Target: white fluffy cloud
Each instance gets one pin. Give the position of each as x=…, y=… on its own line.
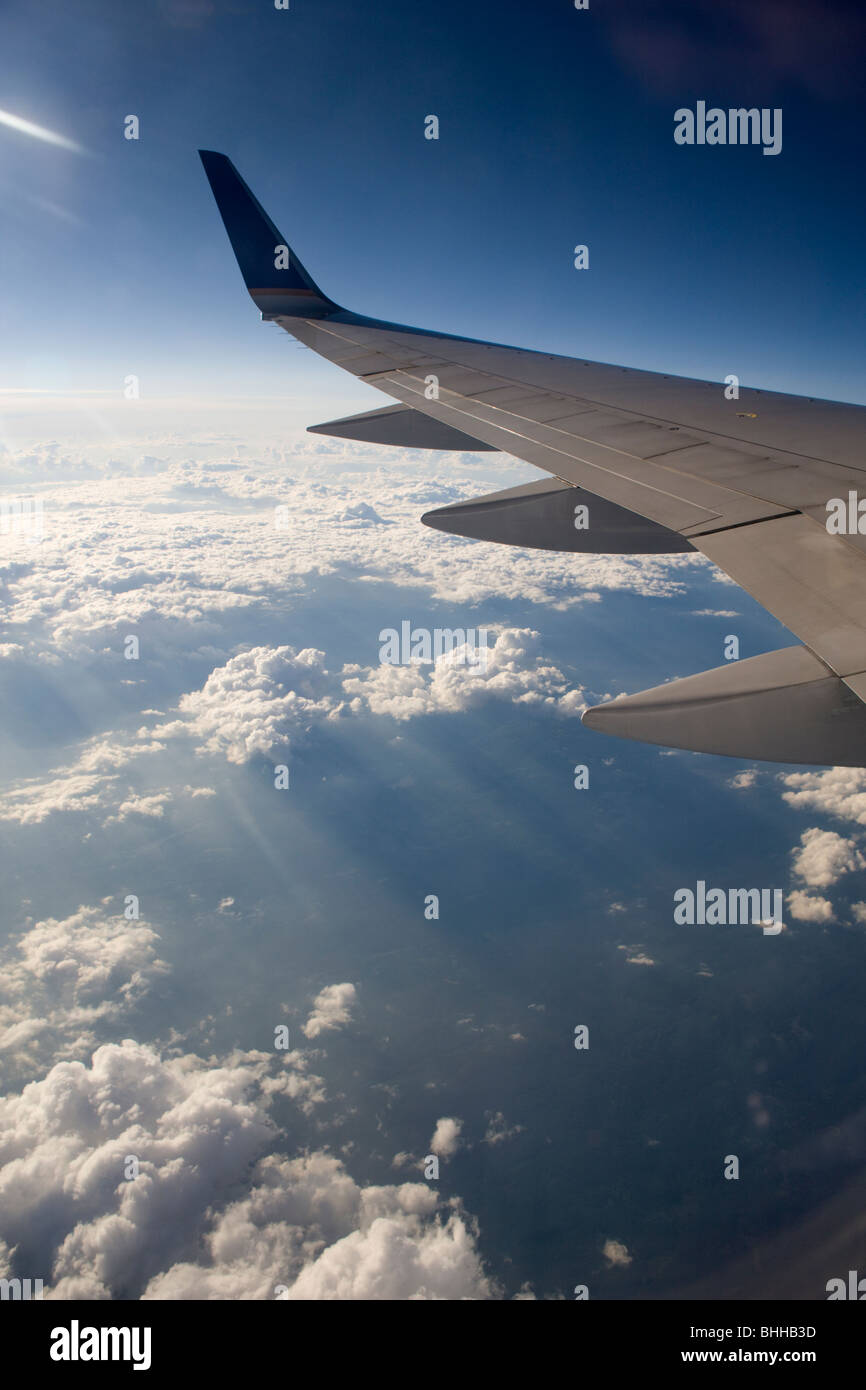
x=62, y=978
x=446, y=1137
x=92, y=782
x=307, y=1231
x=263, y=697
x=332, y=1008
x=807, y=907
x=156, y=1176
x=266, y=697
x=824, y=856
x=256, y=700
x=399, y=1250
x=513, y=670
x=197, y=1130
x=838, y=791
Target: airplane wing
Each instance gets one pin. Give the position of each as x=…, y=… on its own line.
x=638, y=463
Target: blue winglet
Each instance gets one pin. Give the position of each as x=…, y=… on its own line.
x=277, y=282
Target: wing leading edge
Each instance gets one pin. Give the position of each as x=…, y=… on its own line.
x=663, y=463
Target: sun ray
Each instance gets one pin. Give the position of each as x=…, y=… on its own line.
x=38, y=132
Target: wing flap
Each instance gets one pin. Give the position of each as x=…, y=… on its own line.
x=400, y=425
x=542, y=516
x=784, y=706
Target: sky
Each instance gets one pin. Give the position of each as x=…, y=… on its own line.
x=556, y=129
x=169, y=908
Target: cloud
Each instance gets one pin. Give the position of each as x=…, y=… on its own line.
x=179, y=1229
x=264, y=697
x=615, y=1253
x=332, y=1008
x=399, y=1251
x=824, y=856
x=403, y=1159
x=178, y=551
x=805, y=907
x=446, y=1137
x=839, y=791
x=498, y=1131
x=257, y=700
x=514, y=670
x=62, y=978
x=34, y=800
x=90, y=783
x=152, y=806
x=635, y=955
x=742, y=780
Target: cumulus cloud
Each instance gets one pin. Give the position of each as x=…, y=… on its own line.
x=63, y=978
x=446, y=1137
x=807, y=907
x=824, y=856
x=514, y=670
x=264, y=697
x=838, y=791
x=332, y=1008
x=399, y=1250
x=256, y=700
x=303, y=1228
x=615, y=1253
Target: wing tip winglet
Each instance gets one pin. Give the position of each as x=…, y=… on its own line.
x=275, y=278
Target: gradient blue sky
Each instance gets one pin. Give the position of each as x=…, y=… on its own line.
x=556, y=128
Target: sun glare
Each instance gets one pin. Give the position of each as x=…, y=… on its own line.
x=38, y=132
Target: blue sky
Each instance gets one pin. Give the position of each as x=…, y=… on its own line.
x=556, y=128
